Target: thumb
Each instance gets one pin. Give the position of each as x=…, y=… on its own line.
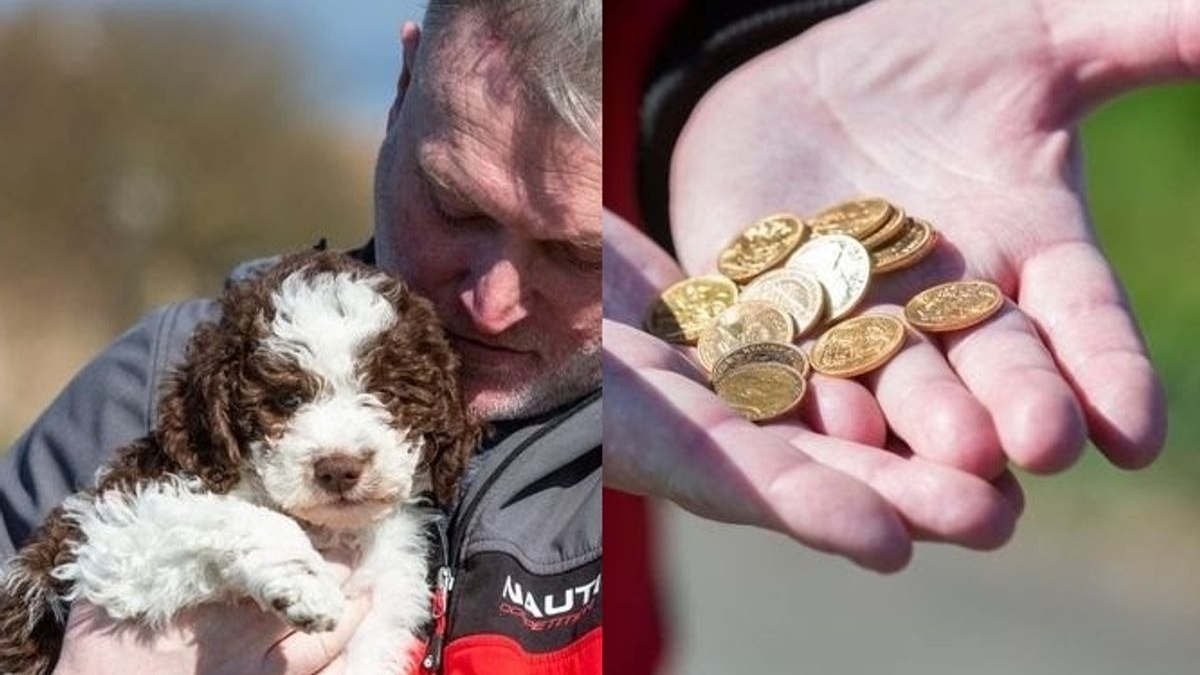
x=636, y=270
x=1108, y=47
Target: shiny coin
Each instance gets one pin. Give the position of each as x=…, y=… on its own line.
x=795, y=291
x=761, y=391
x=858, y=346
x=762, y=246
x=890, y=230
x=763, y=352
x=914, y=243
x=858, y=218
x=683, y=311
x=842, y=266
x=953, y=306
x=744, y=323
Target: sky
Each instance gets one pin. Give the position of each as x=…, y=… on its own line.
x=352, y=46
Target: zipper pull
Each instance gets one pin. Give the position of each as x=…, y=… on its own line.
x=441, y=599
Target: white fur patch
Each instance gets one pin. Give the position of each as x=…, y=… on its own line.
x=393, y=570
x=323, y=321
x=169, y=546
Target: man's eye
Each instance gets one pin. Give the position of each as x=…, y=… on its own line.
x=445, y=213
x=451, y=212
x=583, y=260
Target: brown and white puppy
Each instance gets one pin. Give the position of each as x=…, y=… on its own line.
x=314, y=411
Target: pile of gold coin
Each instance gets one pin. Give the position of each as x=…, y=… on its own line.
x=785, y=277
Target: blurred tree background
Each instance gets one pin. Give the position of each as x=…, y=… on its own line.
x=143, y=153
x=1142, y=159
x=1143, y=168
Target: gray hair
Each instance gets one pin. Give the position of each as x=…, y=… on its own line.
x=556, y=44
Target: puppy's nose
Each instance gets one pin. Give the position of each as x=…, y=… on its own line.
x=338, y=473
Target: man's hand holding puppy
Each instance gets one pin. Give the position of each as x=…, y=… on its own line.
x=250, y=640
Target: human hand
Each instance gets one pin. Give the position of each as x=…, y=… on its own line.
x=213, y=639
x=822, y=479
x=963, y=113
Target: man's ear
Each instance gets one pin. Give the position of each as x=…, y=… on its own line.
x=410, y=38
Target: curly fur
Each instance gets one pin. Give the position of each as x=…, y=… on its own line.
x=317, y=351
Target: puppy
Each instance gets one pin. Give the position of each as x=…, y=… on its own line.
x=312, y=413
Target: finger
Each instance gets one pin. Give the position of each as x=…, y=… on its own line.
x=669, y=436
x=636, y=270
x=1070, y=292
x=308, y=653
x=1005, y=365
x=834, y=406
x=844, y=409
x=1106, y=47
x=938, y=503
x=932, y=411
x=639, y=349
x=1006, y=483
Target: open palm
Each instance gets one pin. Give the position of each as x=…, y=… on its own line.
x=821, y=478
x=963, y=113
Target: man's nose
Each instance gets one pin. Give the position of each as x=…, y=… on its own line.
x=493, y=294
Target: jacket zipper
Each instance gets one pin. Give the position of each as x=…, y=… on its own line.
x=450, y=556
x=441, y=600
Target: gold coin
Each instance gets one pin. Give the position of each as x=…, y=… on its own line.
x=858, y=346
x=795, y=291
x=889, y=231
x=683, y=310
x=763, y=352
x=761, y=391
x=953, y=306
x=914, y=243
x=857, y=218
x=841, y=264
x=744, y=323
x=763, y=245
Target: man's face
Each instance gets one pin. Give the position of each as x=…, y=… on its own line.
x=491, y=209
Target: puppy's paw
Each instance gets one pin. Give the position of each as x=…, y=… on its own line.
x=306, y=599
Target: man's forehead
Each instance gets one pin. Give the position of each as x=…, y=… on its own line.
x=485, y=140
x=551, y=190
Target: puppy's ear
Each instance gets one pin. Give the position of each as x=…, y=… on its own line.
x=446, y=454
x=194, y=418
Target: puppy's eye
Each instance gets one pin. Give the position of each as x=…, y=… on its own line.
x=288, y=401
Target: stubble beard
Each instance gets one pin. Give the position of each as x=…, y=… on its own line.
x=560, y=384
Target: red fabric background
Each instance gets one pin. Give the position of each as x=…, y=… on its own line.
x=632, y=608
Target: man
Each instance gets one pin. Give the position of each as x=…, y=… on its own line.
x=488, y=203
